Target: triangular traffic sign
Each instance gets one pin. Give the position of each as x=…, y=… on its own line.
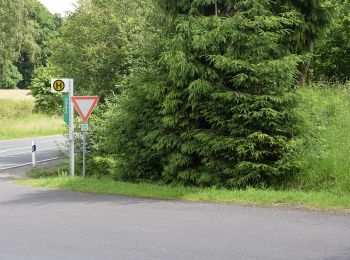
x=85, y=105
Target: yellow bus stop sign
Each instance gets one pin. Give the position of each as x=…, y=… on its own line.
x=58, y=85
x=61, y=85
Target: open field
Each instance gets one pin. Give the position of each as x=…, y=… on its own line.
x=17, y=119
x=34, y=125
x=15, y=94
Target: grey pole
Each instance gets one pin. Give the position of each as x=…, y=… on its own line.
x=84, y=154
x=71, y=128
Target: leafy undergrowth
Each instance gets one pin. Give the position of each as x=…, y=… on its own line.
x=309, y=200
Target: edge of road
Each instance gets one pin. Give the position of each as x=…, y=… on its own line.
x=28, y=164
x=21, y=172
x=30, y=138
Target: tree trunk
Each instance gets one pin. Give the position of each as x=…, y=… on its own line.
x=304, y=68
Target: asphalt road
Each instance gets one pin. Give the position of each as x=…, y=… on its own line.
x=14, y=153
x=50, y=224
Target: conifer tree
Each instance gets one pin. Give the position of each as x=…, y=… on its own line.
x=216, y=108
x=227, y=106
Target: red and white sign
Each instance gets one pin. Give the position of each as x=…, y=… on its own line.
x=85, y=105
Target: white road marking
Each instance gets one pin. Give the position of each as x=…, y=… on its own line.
x=30, y=138
x=7, y=155
x=25, y=164
x=27, y=147
x=6, y=146
x=5, y=151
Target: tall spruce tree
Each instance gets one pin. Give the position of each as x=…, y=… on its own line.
x=227, y=106
x=220, y=108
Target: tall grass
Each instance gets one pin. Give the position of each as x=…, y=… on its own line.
x=325, y=150
x=17, y=119
x=10, y=108
x=30, y=126
x=16, y=94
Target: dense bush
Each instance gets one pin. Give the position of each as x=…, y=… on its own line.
x=10, y=76
x=40, y=88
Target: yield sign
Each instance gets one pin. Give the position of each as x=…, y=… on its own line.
x=85, y=105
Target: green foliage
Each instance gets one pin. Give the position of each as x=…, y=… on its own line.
x=315, y=15
x=99, y=44
x=45, y=101
x=332, y=59
x=123, y=132
x=324, y=152
x=16, y=35
x=216, y=107
x=13, y=24
x=45, y=29
x=101, y=167
x=10, y=76
x=47, y=173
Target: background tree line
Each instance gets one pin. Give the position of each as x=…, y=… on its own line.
x=27, y=28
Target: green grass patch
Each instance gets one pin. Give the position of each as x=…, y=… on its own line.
x=310, y=200
x=17, y=120
x=10, y=108
x=33, y=125
x=325, y=152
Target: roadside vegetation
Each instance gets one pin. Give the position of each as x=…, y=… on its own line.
x=323, y=181
x=325, y=141
x=226, y=97
x=249, y=196
x=18, y=120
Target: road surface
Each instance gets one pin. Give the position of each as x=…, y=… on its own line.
x=40, y=224
x=15, y=153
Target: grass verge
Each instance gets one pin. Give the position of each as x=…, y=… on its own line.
x=309, y=200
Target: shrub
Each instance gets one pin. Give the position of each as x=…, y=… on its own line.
x=9, y=76
x=40, y=88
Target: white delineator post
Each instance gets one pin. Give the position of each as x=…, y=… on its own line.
x=33, y=153
x=71, y=128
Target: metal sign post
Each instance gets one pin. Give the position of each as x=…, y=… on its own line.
x=71, y=128
x=67, y=86
x=84, y=128
x=85, y=106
